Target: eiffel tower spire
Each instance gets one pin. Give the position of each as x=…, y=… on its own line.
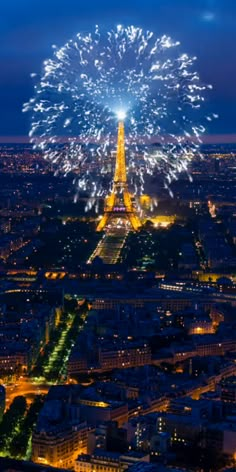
x=119, y=203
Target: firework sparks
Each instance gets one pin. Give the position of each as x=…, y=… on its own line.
x=127, y=73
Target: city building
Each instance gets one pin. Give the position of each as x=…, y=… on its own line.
x=108, y=461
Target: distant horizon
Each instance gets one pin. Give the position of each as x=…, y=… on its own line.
x=207, y=139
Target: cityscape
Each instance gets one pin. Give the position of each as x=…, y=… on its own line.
x=118, y=241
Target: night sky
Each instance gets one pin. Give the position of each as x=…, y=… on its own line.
x=28, y=28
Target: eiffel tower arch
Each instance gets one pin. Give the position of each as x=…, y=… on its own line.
x=118, y=204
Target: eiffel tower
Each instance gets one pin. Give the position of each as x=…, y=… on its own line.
x=118, y=204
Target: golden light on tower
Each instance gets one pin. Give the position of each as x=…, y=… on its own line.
x=119, y=203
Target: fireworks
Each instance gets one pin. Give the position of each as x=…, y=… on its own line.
x=100, y=77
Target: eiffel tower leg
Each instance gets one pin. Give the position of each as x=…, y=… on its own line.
x=102, y=223
x=134, y=221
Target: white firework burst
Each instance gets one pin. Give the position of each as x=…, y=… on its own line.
x=96, y=76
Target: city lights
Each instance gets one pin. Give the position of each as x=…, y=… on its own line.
x=118, y=238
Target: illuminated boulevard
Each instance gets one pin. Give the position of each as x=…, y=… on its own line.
x=110, y=246
x=27, y=387
x=53, y=364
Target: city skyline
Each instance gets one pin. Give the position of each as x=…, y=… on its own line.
x=118, y=236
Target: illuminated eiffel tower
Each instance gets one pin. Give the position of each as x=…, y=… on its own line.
x=118, y=204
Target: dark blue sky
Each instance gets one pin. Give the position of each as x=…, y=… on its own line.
x=28, y=28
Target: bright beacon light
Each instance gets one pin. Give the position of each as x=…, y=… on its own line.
x=121, y=115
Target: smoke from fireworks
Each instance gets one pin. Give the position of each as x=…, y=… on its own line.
x=97, y=76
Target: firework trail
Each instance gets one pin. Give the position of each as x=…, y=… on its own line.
x=126, y=70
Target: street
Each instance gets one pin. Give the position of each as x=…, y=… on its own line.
x=26, y=387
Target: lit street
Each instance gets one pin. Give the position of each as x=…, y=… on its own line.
x=26, y=387
x=110, y=246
